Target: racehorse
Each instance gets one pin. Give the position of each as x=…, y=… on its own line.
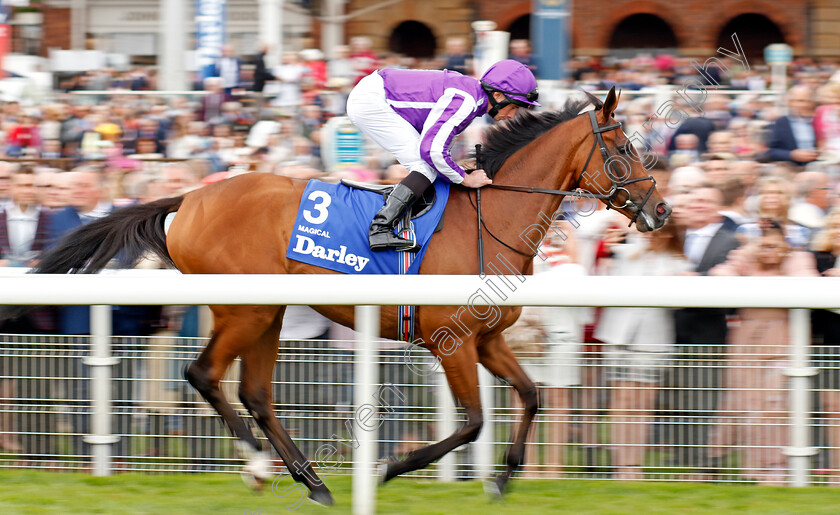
x=243, y=225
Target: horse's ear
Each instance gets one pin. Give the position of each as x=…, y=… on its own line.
x=610, y=104
x=593, y=100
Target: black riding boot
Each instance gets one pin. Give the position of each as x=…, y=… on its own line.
x=381, y=233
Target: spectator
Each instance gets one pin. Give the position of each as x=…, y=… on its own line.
x=88, y=203
x=186, y=145
x=24, y=232
x=288, y=76
x=23, y=135
x=551, y=354
x=51, y=149
x=755, y=408
x=363, y=58
x=261, y=73
x=685, y=180
x=23, y=223
x=733, y=195
x=211, y=103
x=520, y=50
x=718, y=169
x=6, y=170
x=341, y=67
x=773, y=204
x=812, y=200
x=639, y=344
x=456, y=58
x=720, y=142
x=686, y=150
x=313, y=60
x=229, y=69
x=792, y=137
x=692, y=389
x=55, y=189
x=698, y=126
x=826, y=338
x=827, y=121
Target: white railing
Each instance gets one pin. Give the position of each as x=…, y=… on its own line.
x=369, y=292
x=146, y=287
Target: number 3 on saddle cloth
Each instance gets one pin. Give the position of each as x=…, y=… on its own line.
x=331, y=231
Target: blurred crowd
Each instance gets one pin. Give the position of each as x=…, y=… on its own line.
x=754, y=180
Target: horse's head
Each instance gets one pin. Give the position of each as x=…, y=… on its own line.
x=612, y=170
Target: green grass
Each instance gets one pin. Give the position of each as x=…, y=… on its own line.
x=35, y=492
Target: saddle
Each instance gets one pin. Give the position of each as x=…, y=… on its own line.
x=420, y=206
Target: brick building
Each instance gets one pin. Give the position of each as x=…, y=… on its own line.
x=602, y=27
x=420, y=28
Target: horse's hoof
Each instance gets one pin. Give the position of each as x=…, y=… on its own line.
x=382, y=470
x=322, y=497
x=253, y=482
x=495, y=487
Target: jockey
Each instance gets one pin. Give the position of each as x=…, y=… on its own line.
x=416, y=114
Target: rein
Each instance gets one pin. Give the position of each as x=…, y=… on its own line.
x=617, y=186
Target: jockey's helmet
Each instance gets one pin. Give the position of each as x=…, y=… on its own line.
x=512, y=79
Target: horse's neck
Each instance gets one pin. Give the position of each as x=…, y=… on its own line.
x=547, y=163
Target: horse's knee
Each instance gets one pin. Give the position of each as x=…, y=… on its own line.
x=473, y=426
x=530, y=396
x=256, y=401
x=199, y=378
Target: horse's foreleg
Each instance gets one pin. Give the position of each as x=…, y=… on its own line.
x=497, y=357
x=256, y=395
x=462, y=374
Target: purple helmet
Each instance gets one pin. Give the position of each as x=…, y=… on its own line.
x=514, y=80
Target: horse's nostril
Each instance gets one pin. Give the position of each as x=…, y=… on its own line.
x=662, y=210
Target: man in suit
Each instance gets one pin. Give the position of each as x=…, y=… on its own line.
x=699, y=126
x=229, y=69
x=88, y=203
x=23, y=232
x=23, y=222
x=261, y=73
x=692, y=385
x=792, y=137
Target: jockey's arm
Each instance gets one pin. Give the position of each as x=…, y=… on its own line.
x=451, y=114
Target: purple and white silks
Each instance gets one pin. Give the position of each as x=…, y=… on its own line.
x=439, y=105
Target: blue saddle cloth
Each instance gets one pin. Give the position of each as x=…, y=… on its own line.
x=331, y=229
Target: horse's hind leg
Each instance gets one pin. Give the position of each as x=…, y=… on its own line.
x=497, y=357
x=235, y=329
x=255, y=392
x=462, y=374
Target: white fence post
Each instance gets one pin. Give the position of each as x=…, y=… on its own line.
x=445, y=425
x=100, y=362
x=483, y=445
x=366, y=418
x=800, y=450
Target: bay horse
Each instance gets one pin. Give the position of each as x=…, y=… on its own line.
x=243, y=225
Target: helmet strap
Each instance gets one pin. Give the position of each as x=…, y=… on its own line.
x=496, y=106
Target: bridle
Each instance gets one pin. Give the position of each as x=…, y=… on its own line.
x=618, y=185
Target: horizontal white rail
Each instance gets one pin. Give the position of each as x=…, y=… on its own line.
x=144, y=288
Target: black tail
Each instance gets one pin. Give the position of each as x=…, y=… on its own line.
x=129, y=231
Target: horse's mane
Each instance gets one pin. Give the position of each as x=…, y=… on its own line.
x=504, y=139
